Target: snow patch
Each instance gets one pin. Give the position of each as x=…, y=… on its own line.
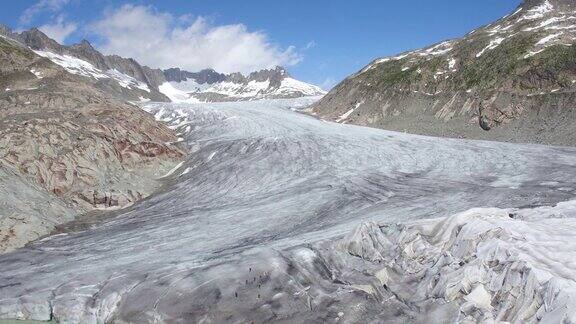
x=561, y=27
x=532, y=53
x=545, y=23
x=452, y=63
x=173, y=170
x=439, y=49
x=127, y=81
x=290, y=85
x=176, y=95
x=548, y=38
x=349, y=112
x=74, y=65
x=538, y=12
x=38, y=74
x=493, y=44
x=83, y=68
x=384, y=60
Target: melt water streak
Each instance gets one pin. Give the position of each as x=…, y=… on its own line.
x=262, y=176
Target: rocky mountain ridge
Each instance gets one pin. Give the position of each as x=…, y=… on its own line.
x=132, y=81
x=209, y=85
x=512, y=80
x=123, y=76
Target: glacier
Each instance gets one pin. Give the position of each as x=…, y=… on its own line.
x=280, y=216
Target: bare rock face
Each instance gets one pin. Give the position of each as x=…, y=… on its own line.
x=512, y=80
x=205, y=76
x=71, y=144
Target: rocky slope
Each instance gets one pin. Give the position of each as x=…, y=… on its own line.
x=67, y=147
x=211, y=86
x=512, y=80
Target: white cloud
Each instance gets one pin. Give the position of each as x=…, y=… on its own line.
x=161, y=40
x=59, y=30
x=311, y=44
x=42, y=5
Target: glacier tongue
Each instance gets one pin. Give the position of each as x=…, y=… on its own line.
x=258, y=225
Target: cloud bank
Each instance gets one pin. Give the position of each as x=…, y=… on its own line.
x=59, y=30
x=162, y=40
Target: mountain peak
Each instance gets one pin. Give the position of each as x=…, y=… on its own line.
x=5, y=29
x=282, y=71
x=37, y=40
x=274, y=75
x=84, y=44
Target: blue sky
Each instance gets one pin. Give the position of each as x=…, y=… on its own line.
x=320, y=41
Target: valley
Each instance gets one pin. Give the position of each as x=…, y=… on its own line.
x=431, y=186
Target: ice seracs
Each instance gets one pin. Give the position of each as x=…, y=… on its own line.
x=495, y=264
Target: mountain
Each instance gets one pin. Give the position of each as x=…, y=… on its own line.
x=209, y=85
x=125, y=78
x=68, y=146
x=512, y=80
x=129, y=80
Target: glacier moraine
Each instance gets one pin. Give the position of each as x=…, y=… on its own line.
x=273, y=218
